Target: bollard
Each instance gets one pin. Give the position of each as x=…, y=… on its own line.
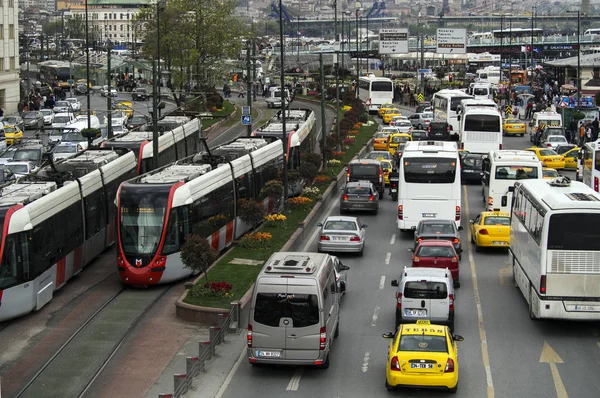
x=191, y=366
x=212, y=335
x=218, y=336
x=234, y=324
x=180, y=383
x=204, y=354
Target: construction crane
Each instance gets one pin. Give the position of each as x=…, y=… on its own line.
x=275, y=12
x=377, y=10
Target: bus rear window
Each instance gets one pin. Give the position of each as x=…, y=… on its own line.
x=381, y=86
x=482, y=123
x=516, y=173
x=429, y=170
x=574, y=231
x=364, y=170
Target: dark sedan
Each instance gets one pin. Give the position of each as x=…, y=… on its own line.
x=137, y=121
x=438, y=229
x=33, y=120
x=471, y=170
x=139, y=94
x=419, y=135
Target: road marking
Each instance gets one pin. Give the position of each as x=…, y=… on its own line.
x=313, y=237
x=375, y=316
x=393, y=239
x=365, y=365
x=388, y=257
x=550, y=357
x=482, y=335
x=295, y=381
x=231, y=373
x=505, y=276
x=382, y=282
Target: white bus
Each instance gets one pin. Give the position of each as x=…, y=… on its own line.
x=429, y=186
x=594, y=31
x=555, y=248
x=375, y=91
x=469, y=103
x=589, y=165
x=481, y=130
x=501, y=169
x=445, y=104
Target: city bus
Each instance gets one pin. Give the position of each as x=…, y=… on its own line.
x=429, y=183
x=445, y=103
x=481, y=130
x=501, y=169
x=375, y=91
x=589, y=165
x=555, y=247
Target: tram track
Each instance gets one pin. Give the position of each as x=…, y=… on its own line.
x=75, y=366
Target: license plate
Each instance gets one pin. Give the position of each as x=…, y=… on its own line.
x=429, y=215
x=394, y=190
x=499, y=243
x=339, y=238
x=421, y=365
x=358, y=205
x=269, y=354
x=409, y=312
x=585, y=308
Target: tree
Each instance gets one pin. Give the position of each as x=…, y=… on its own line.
x=197, y=254
x=196, y=36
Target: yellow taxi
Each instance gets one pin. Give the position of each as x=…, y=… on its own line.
x=513, y=126
x=422, y=355
x=394, y=140
x=491, y=229
x=571, y=157
x=386, y=166
x=389, y=114
x=548, y=157
x=126, y=107
x=385, y=107
x=380, y=140
x=549, y=174
x=12, y=134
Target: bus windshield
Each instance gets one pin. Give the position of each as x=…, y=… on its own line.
x=142, y=215
x=574, y=231
x=429, y=170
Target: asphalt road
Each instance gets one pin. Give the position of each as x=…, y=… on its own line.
x=505, y=353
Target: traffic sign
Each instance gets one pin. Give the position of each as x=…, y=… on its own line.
x=426, y=71
x=70, y=82
x=368, y=102
x=393, y=41
x=508, y=110
x=246, y=120
x=245, y=110
x=451, y=41
x=420, y=97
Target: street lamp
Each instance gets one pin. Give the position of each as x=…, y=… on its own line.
x=578, y=58
x=284, y=138
x=87, y=67
x=533, y=10
x=342, y=43
x=368, y=48
x=357, y=52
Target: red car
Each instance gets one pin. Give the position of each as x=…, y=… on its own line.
x=437, y=254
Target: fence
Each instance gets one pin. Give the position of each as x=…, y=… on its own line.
x=230, y=323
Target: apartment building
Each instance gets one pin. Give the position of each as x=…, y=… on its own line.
x=9, y=55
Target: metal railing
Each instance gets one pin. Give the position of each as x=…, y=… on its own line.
x=194, y=366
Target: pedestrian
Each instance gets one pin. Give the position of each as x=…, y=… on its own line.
x=595, y=125
x=241, y=93
x=581, y=134
x=588, y=132
x=528, y=110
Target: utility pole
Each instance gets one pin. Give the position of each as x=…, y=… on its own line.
x=154, y=118
x=109, y=131
x=337, y=101
x=501, y=44
x=284, y=139
x=323, y=124
x=87, y=67
x=422, y=56
x=533, y=10
x=249, y=87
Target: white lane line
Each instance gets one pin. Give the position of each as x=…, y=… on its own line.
x=231, y=373
x=382, y=282
x=482, y=334
x=365, y=364
x=295, y=380
x=393, y=239
x=375, y=316
x=388, y=257
x=313, y=237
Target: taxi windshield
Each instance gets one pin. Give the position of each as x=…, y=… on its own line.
x=399, y=139
x=423, y=343
x=382, y=135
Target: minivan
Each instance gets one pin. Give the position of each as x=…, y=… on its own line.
x=366, y=170
x=425, y=293
x=440, y=131
x=294, y=310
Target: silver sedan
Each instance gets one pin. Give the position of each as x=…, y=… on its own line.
x=342, y=234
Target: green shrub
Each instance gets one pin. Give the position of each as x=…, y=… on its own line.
x=308, y=171
x=273, y=188
x=197, y=254
x=251, y=211
x=312, y=158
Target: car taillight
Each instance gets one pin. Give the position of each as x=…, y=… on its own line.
x=355, y=239
x=399, y=300
x=400, y=213
x=416, y=259
x=543, y=284
x=249, y=336
x=323, y=338
x=500, y=146
x=348, y=177
x=451, y=302
x=483, y=232
x=372, y=197
x=547, y=160
x=549, y=145
x=324, y=237
x=454, y=259
x=344, y=197
x=457, y=216
x=449, y=128
x=490, y=201
x=394, y=364
x=596, y=184
x=449, y=366
x=419, y=240
x=455, y=240
x=380, y=175
x=462, y=145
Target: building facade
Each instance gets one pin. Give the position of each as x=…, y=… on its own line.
x=9, y=56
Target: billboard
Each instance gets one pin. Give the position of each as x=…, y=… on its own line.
x=393, y=41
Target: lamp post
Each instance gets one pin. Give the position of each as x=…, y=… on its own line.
x=342, y=43
x=368, y=47
x=284, y=137
x=357, y=53
x=87, y=67
x=578, y=58
x=159, y=4
x=533, y=10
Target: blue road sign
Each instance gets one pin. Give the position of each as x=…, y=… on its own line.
x=246, y=120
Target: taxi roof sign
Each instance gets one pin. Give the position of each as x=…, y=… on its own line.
x=423, y=322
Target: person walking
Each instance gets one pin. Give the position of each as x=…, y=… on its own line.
x=241, y=92
x=595, y=125
x=581, y=134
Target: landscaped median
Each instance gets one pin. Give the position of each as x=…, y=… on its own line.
x=232, y=276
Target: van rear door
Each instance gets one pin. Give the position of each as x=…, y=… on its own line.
x=270, y=315
x=303, y=321
x=416, y=300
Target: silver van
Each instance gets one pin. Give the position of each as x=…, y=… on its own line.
x=425, y=293
x=294, y=311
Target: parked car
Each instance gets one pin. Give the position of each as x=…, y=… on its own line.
x=14, y=120
x=33, y=120
x=21, y=168
x=125, y=107
x=75, y=104
x=48, y=116
x=342, y=234
x=81, y=88
x=139, y=94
